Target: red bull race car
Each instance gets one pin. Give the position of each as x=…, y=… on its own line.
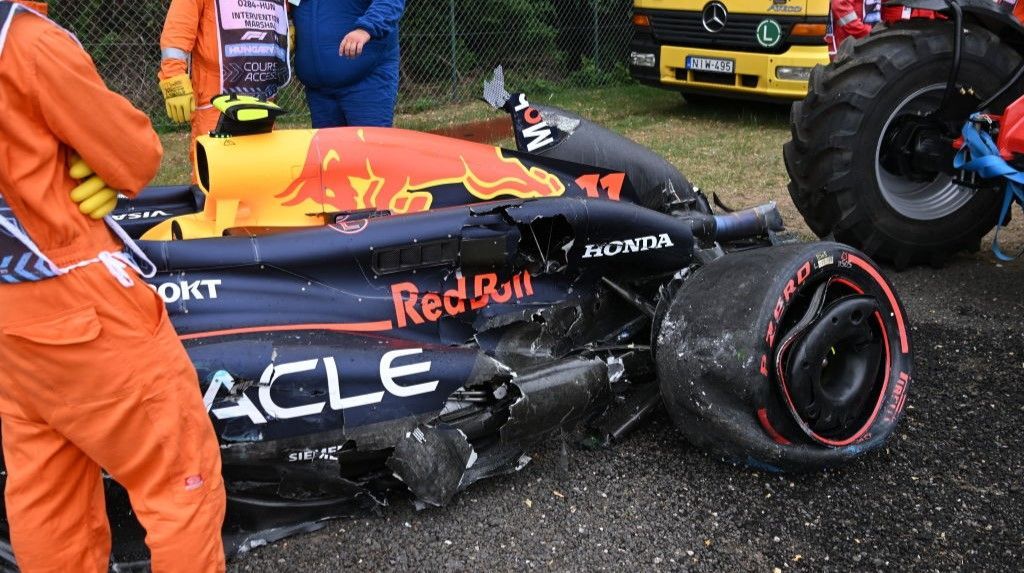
x=379, y=310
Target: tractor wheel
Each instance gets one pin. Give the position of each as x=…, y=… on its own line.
x=848, y=176
x=789, y=358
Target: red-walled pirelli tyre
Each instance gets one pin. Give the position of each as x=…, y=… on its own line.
x=789, y=358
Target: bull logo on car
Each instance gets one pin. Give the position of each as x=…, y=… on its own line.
x=349, y=169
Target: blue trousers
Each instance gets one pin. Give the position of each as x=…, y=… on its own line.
x=369, y=102
x=342, y=91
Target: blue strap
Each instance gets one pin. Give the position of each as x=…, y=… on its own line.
x=981, y=155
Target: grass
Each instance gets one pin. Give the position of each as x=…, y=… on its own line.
x=733, y=149
x=175, y=166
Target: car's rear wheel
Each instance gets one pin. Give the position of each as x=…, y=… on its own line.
x=791, y=358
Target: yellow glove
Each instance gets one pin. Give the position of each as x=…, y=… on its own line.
x=291, y=37
x=178, y=97
x=94, y=198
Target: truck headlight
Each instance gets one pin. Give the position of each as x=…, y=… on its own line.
x=642, y=60
x=793, y=73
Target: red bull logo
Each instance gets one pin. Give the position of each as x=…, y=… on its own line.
x=414, y=307
x=351, y=168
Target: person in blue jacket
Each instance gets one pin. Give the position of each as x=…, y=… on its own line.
x=347, y=58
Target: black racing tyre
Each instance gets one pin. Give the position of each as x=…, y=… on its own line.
x=790, y=358
x=842, y=177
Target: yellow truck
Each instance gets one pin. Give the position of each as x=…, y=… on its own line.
x=757, y=49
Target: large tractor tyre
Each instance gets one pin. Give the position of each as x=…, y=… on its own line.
x=791, y=358
x=844, y=179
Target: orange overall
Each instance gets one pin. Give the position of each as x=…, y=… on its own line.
x=191, y=32
x=191, y=28
x=93, y=375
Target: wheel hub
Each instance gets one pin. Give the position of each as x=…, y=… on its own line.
x=910, y=162
x=833, y=368
x=829, y=364
x=918, y=148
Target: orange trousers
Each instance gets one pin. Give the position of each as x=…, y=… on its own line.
x=93, y=376
x=203, y=121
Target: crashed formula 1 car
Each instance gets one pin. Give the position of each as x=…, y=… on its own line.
x=372, y=309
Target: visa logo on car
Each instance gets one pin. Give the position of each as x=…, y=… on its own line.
x=136, y=215
x=636, y=245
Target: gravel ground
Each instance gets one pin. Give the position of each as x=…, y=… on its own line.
x=946, y=495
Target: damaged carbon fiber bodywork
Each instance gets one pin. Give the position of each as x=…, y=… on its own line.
x=423, y=351
x=458, y=346
x=495, y=353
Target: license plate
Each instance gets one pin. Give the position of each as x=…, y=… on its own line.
x=715, y=65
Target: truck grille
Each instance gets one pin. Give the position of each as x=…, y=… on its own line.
x=684, y=28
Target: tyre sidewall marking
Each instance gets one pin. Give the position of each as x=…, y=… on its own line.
x=851, y=267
